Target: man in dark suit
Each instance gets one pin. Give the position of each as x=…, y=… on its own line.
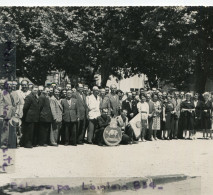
x=83, y=113
x=127, y=105
x=30, y=117
x=102, y=122
x=150, y=117
x=111, y=102
x=70, y=117
x=45, y=119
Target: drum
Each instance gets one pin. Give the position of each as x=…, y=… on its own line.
x=112, y=135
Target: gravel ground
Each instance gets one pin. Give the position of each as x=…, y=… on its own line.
x=188, y=157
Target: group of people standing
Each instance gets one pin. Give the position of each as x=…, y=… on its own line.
x=42, y=116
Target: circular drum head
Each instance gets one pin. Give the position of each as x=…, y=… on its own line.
x=112, y=136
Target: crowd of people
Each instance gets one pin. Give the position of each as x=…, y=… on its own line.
x=32, y=116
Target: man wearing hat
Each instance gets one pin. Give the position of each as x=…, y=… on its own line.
x=83, y=113
x=30, y=118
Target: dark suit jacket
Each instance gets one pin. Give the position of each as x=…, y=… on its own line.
x=45, y=109
x=102, y=123
x=126, y=106
x=134, y=107
x=70, y=113
x=83, y=109
x=31, y=109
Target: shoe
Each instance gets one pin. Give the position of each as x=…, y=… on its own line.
x=4, y=147
x=80, y=143
x=156, y=138
x=74, y=144
x=168, y=138
x=134, y=142
x=163, y=138
x=28, y=146
x=89, y=143
x=53, y=144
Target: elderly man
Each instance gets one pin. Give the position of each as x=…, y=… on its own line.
x=83, y=112
x=102, y=122
x=46, y=118
x=93, y=104
x=70, y=117
x=176, y=102
x=111, y=102
x=56, y=109
x=30, y=118
x=123, y=123
x=7, y=111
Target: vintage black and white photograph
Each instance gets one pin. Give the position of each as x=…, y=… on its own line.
x=106, y=100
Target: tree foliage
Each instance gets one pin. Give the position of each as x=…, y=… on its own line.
x=172, y=44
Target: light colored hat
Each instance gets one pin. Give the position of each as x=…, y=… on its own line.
x=15, y=122
x=188, y=94
x=41, y=88
x=206, y=94
x=95, y=88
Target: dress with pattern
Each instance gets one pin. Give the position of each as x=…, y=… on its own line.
x=156, y=116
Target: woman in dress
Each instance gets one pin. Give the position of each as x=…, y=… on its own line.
x=156, y=115
x=206, y=115
x=188, y=115
x=168, y=116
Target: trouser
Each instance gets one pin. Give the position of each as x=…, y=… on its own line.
x=36, y=134
x=61, y=134
x=91, y=129
x=127, y=136
x=28, y=132
x=86, y=127
x=71, y=133
x=54, y=132
x=44, y=132
x=149, y=132
x=4, y=124
x=143, y=128
x=81, y=130
x=99, y=136
x=175, y=127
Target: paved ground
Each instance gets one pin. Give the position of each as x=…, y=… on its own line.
x=188, y=157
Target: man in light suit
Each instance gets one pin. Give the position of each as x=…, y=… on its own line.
x=7, y=111
x=111, y=102
x=70, y=117
x=83, y=113
x=150, y=117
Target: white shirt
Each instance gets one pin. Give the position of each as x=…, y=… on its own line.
x=195, y=102
x=93, y=106
x=143, y=107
